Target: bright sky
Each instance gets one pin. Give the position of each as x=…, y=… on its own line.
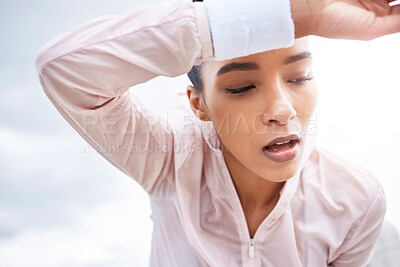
x=61, y=204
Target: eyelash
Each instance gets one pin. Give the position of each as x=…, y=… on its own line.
x=239, y=91
x=243, y=90
x=301, y=81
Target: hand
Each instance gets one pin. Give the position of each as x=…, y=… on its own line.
x=345, y=19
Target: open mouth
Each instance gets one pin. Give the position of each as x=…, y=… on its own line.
x=282, y=151
x=281, y=146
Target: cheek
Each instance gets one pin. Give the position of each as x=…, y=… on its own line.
x=305, y=103
x=234, y=128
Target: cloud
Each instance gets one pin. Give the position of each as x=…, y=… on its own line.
x=104, y=236
x=60, y=206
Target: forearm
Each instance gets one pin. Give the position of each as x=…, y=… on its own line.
x=109, y=53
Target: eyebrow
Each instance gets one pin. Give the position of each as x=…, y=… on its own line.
x=238, y=66
x=245, y=66
x=297, y=57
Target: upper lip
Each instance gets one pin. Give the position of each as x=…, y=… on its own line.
x=284, y=139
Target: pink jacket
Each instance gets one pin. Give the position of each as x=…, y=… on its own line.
x=329, y=214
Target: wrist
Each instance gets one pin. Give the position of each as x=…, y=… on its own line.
x=301, y=15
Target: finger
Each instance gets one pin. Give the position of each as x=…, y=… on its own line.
x=387, y=24
x=379, y=7
x=395, y=10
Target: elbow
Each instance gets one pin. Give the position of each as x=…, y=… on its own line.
x=50, y=51
x=42, y=58
x=40, y=63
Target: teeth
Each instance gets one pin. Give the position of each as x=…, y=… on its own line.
x=283, y=143
x=274, y=149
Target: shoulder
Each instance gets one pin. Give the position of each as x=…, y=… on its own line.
x=353, y=199
x=345, y=200
x=338, y=190
x=341, y=179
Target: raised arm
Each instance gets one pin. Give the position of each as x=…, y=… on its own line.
x=86, y=73
x=346, y=19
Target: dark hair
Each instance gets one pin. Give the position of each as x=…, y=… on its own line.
x=195, y=77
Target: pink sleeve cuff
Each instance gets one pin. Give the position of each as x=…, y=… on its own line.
x=204, y=31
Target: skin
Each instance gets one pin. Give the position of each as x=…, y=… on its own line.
x=345, y=19
x=278, y=105
x=287, y=107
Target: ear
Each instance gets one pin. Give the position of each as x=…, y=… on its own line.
x=196, y=103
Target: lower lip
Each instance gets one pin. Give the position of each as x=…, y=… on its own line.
x=283, y=155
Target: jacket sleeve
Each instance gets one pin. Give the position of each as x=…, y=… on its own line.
x=86, y=74
x=358, y=248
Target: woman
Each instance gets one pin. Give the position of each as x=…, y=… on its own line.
x=243, y=185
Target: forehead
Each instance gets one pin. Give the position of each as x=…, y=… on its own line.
x=274, y=57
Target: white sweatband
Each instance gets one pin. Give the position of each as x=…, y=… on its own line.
x=243, y=27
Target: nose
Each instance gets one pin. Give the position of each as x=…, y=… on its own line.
x=279, y=108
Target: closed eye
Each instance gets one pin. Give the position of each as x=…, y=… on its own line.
x=300, y=81
x=243, y=90
x=240, y=91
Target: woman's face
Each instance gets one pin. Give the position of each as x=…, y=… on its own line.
x=278, y=99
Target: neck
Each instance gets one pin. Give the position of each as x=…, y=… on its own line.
x=255, y=192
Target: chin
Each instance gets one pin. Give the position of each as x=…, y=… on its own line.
x=283, y=178
x=284, y=172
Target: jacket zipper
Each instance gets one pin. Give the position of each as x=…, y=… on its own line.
x=251, y=248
